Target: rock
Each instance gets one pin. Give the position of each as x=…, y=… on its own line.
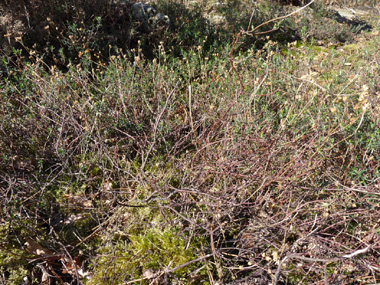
x=149, y=17
x=143, y=13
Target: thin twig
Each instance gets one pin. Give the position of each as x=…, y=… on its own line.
x=252, y=32
x=309, y=259
x=279, y=18
x=171, y=270
x=156, y=127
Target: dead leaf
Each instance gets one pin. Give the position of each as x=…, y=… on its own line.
x=70, y=266
x=73, y=218
x=79, y=200
x=36, y=249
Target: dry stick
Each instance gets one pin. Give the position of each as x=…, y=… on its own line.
x=188, y=263
x=171, y=270
x=217, y=264
x=211, y=129
x=155, y=128
x=346, y=256
x=211, y=232
x=348, y=84
x=232, y=63
x=346, y=138
x=252, y=32
x=254, y=94
x=353, y=189
x=190, y=113
x=279, y=18
x=73, y=264
x=305, y=80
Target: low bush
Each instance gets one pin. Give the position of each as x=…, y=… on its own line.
x=194, y=157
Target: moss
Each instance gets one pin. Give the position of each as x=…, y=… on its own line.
x=12, y=260
x=14, y=275
x=153, y=249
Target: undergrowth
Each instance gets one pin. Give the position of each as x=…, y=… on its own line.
x=186, y=156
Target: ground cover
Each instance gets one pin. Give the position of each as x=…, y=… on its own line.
x=200, y=154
